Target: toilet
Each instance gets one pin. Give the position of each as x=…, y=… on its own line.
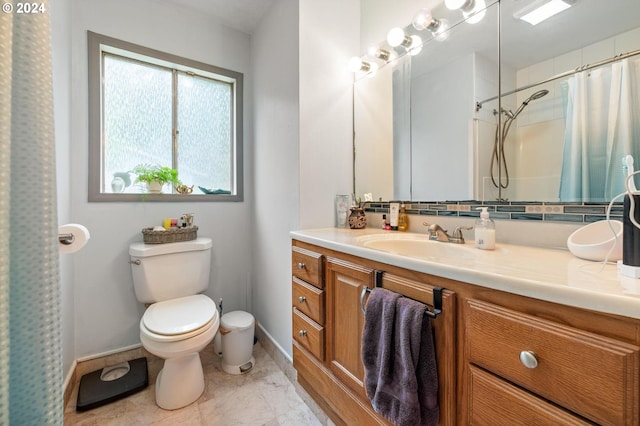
x=179, y=321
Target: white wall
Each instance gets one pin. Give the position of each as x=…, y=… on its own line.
x=303, y=139
x=276, y=183
x=328, y=38
x=449, y=104
x=106, y=311
x=373, y=129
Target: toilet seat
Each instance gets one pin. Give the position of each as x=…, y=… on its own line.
x=179, y=319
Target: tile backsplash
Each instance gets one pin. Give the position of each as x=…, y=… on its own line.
x=536, y=211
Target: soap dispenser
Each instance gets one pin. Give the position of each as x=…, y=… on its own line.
x=403, y=219
x=485, y=231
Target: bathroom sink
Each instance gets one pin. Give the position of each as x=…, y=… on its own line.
x=597, y=241
x=415, y=245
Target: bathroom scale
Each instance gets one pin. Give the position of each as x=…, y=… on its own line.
x=112, y=383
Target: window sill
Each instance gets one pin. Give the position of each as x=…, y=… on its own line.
x=166, y=198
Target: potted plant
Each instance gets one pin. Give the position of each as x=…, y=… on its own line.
x=155, y=176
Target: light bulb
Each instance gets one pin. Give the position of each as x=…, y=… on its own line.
x=395, y=37
x=455, y=4
x=356, y=64
x=416, y=45
x=422, y=19
x=379, y=53
x=441, y=33
x=477, y=13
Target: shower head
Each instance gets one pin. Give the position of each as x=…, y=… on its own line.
x=536, y=95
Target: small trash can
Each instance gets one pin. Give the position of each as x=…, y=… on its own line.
x=237, y=329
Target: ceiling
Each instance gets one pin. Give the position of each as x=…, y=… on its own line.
x=521, y=44
x=242, y=15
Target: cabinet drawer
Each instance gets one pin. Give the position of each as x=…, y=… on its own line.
x=308, y=334
x=308, y=299
x=307, y=265
x=494, y=401
x=592, y=375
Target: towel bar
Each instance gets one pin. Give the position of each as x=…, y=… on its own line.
x=437, y=297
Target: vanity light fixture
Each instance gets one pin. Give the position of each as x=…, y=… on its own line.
x=477, y=13
x=540, y=10
x=423, y=20
x=382, y=54
x=396, y=37
x=459, y=4
x=472, y=10
x=356, y=64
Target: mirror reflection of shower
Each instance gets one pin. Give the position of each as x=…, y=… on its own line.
x=500, y=179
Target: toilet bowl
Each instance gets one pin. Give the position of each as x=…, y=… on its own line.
x=177, y=330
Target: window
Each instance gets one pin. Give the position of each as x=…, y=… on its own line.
x=150, y=108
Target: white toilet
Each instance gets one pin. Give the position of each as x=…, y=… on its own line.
x=180, y=321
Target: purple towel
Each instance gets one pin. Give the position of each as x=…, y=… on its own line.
x=400, y=374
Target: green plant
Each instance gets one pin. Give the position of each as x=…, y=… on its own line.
x=155, y=173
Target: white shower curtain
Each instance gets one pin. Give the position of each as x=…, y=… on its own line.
x=30, y=340
x=601, y=128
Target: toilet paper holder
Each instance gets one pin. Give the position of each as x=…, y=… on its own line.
x=72, y=237
x=66, y=239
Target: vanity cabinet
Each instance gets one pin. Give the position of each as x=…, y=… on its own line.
x=503, y=359
x=335, y=378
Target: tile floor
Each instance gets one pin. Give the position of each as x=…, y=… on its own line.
x=263, y=396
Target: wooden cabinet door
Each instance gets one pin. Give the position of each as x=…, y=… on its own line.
x=345, y=320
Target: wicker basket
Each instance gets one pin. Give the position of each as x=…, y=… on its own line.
x=170, y=235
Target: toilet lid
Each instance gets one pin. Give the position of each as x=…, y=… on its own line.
x=237, y=320
x=179, y=316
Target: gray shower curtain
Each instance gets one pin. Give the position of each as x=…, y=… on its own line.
x=30, y=336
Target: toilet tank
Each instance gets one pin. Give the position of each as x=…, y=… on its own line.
x=168, y=271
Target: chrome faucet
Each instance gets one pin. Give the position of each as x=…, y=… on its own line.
x=436, y=233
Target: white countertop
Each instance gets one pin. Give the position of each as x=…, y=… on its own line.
x=546, y=274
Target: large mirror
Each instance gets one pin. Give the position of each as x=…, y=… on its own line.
x=433, y=127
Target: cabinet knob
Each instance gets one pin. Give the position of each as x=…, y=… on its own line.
x=302, y=333
x=528, y=359
x=301, y=265
x=302, y=299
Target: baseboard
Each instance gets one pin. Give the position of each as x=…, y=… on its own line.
x=69, y=382
x=273, y=342
x=109, y=353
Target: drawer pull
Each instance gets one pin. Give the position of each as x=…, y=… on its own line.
x=302, y=333
x=302, y=299
x=301, y=265
x=528, y=359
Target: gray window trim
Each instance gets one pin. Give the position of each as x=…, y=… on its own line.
x=95, y=43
